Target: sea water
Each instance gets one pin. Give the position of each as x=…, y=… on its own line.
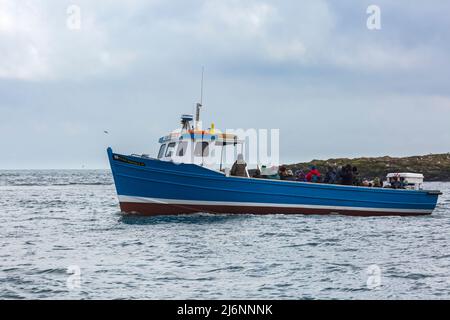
x=62, y=236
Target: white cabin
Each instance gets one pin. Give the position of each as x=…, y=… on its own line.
x=409, y=180
x=201, y=147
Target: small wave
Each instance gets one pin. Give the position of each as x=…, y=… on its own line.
x=412, y=276
x=298, y=245
x=10, y=269
x=18, y=184
x=184, y=279
x=51, y=271
x=230, y=268
x=446, y=256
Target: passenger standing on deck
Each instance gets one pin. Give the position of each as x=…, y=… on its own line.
x=377, y=183
x=330, y=176
x=257, y=173
x=313, y=175
x=395, y=183
x=282, y=171
x=347, y=175
x=338, y=175
x=300, y=176
x=289, y=175
x=239, y=168
x=356, y=178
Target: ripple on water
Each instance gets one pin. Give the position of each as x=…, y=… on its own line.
x=64, y=219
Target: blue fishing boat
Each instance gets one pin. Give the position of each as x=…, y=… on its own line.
x=180, y=181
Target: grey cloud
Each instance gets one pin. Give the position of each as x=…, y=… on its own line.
x=310, y=68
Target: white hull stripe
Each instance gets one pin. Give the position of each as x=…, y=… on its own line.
x=131, y=199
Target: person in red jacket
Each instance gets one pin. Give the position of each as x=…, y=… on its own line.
x=313, y=175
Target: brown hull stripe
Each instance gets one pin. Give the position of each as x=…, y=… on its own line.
x=153, y=209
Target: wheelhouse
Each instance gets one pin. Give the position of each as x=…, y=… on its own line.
x=195, y=146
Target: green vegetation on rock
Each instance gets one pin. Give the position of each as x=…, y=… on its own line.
x=435, y=167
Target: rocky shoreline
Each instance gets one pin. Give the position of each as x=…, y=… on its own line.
x=435, y=167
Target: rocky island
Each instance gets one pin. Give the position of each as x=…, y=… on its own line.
x=435, y=167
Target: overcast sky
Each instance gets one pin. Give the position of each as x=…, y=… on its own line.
x=310, y=68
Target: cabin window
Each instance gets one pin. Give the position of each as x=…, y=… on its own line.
x=170, y=149
x=201, y=149
x=161, y=151
x=182, y=147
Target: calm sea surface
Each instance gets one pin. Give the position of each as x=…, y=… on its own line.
x=62, y=237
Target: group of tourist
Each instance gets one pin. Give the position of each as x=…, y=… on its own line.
x=344, y=175
x=349, y=175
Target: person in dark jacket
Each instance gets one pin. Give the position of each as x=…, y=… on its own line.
x=300, y=176
x=338, y=179
x=356, y=179
x=330, y=176
x=257, y=173
x=396, y=183
x=347, y=175
x=239, y=168
x=282, y=171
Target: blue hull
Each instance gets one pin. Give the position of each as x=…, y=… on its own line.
x=153, y=187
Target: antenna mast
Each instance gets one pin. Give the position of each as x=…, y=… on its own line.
x=199, y=105
x=201, y=87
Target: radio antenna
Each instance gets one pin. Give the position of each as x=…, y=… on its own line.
x=199, y=105
x=201, y=87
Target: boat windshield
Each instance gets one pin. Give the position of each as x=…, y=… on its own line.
x=161, y=151
x=182, y=147
x=170, y=149
x=201, y=149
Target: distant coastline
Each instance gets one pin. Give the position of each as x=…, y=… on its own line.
x=435, y=167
